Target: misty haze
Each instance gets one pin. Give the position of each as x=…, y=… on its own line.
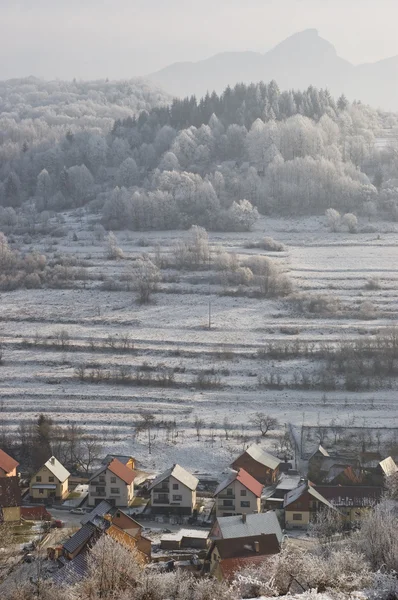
x=198, y=284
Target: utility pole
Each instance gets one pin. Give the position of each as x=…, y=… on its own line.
x=209, y=265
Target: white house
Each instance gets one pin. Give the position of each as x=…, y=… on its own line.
x=114, y=483
x=239, y=493
x=174, y=491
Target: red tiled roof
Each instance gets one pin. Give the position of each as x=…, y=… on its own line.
x=7, y=463
x=249, y=482
x=121, y=471
x=230, y=566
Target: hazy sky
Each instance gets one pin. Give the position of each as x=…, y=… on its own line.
x=123, y=38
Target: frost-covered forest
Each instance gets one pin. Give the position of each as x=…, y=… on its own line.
x=126, y=153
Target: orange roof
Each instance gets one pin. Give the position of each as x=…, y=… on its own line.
x=249, y=482
x=120, y=470
x=7, y=463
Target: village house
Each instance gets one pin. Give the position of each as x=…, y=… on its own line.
x=50, y=482
x=128, y=532
x=10, y=499
x=302, y=504
x=184, y=538
x=114, y=483
x=227, y=556
x=239, y=493
x=174, y=491
x=353, y=502
x=8, y=466
x=261, y=465
x=240, y=526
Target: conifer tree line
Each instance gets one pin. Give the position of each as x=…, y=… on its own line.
x=217, y=162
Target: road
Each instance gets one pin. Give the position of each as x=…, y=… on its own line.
x=67, y=517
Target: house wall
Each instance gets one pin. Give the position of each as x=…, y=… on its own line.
x=123, y=521
x=108, y=483
x=183, y=505
x=236, y=499
x=214, y=562
x=297, y=519
x=61, y=490
x=11, y=514
x=12, y=473
x=263, y=474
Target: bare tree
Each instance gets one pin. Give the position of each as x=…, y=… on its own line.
x=147, y=423
x=88, y=453
x=263, y=422
x=198, y=424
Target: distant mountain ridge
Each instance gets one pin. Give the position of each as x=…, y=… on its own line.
x=301, y=60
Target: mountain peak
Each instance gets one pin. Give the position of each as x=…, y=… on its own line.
x=307, y=41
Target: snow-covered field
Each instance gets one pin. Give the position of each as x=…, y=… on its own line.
x=172, y=333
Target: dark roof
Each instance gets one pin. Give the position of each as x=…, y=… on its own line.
x=72, y=572
x=245, y=546
x=10, y=492
x=101, y=509
x=302, y=489
x=121, y=457
x=245, y=479
x=350, y=495
x=79, y=538
x=7, y=463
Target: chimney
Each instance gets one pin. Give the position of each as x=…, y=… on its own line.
x=257, y=547
x=244, y=518
x=52, y=460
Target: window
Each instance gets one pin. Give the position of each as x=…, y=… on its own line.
x=41, y=491
x=118, y=515
x=297, y=517
x=177, y=498
x=229, y=491
x=100, y=490
x=51, y=479
x=115, y=490
x=38, y=478
x=102, y=478
x=175, y=486
x=228, y=503
x=245, y=504
x=243, y=492
x=113, y=479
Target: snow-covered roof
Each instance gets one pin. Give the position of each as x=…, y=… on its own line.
x=263, y=457
x=294, y=495
x=288, y=482
x=179, y=473
x=388, y=466
x=57, y=469
x=321, y=450
x=255, y=524
x=177, y=536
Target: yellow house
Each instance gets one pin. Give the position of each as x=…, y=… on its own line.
x=10, y=499
x=8, y=466
x=50, y=482
x=301, y=506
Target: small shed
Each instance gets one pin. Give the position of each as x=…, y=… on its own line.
x=185, y=538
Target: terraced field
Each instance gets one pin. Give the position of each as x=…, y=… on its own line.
x=96, y=357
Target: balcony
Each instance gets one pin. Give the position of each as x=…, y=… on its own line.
x=161, y=488
x=98, y=494
x=221, y=496
x=160, y=501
